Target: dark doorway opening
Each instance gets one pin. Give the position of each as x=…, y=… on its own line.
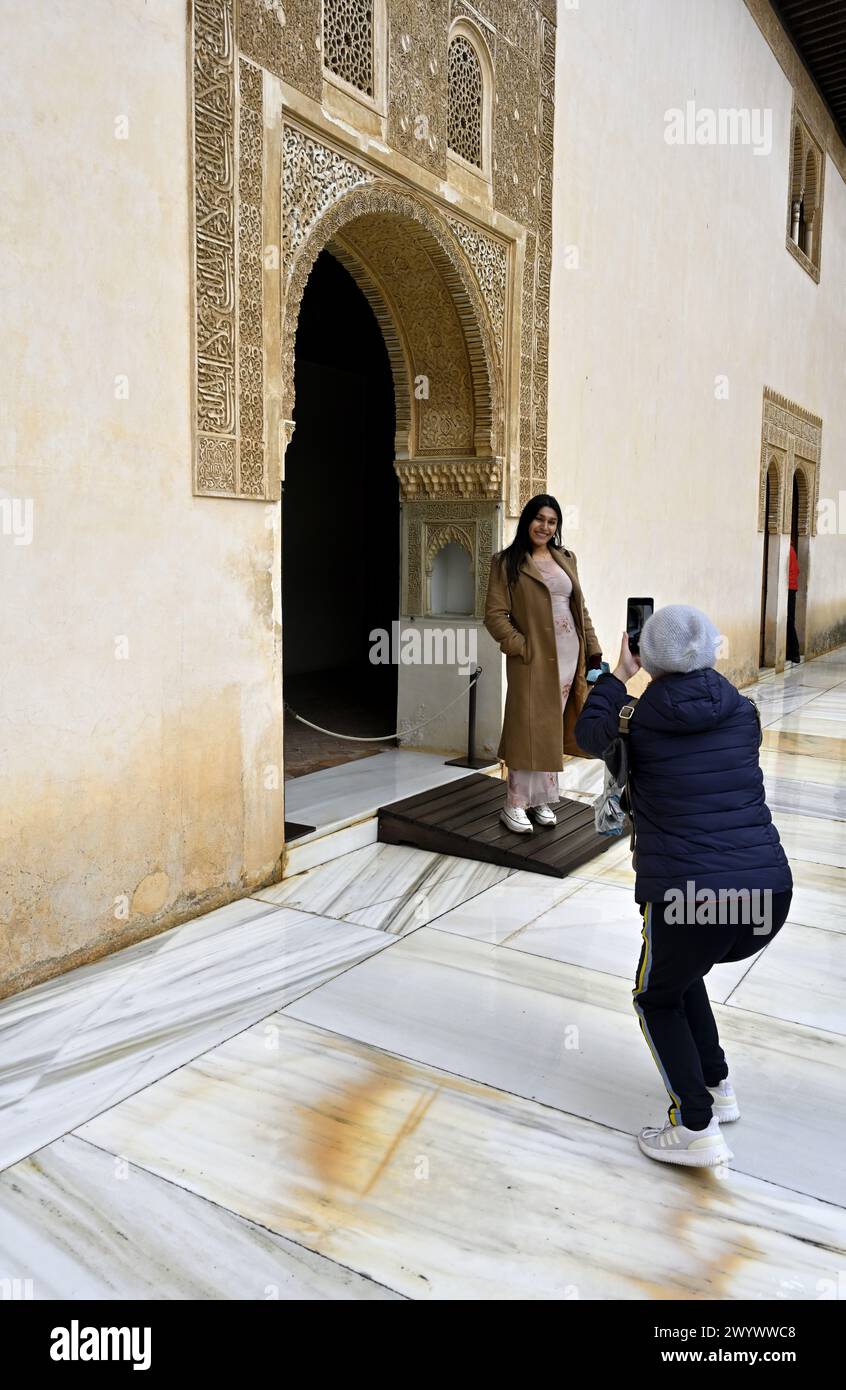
x=794, y=646
x=762, y=641
x=340, y=527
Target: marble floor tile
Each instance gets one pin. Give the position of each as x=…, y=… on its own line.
x=78, y=1223
x=494, y=915
x=782, y=702
x=36, y=1024
x=825, y=800
x=811, y=837
x=819, y=895
x=209, y=978
x=810, y=767
x=339, y=794
x=391, y=888
x=446, y=1189
x=614, y=866
x=820, y=672
x=800, y=977
x=808, y=721
x=813, y=746
x=596, y=924
x=567, y=1036
x=772, y=692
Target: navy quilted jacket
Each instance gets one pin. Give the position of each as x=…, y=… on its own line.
x=697, y=788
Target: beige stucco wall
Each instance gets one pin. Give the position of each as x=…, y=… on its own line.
x=147, y=780
x=683, y=276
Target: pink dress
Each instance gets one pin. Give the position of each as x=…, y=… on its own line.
x=541, y=788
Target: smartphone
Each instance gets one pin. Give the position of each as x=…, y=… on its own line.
x=637, y=612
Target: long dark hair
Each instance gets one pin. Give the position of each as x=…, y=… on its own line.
x=514, y=554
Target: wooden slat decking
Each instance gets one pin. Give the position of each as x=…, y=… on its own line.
x=462, y=818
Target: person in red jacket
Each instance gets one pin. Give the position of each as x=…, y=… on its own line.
x=792, y=586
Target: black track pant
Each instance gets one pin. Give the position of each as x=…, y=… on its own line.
x=672, y=1003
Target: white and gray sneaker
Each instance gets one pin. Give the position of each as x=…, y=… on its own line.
x=543, y=815
x=726, y=1107
x=517, y=820
x=694, y=1148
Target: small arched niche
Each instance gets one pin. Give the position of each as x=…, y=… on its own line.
x=451, y=582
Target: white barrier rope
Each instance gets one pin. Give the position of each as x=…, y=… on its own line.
x=380, y=738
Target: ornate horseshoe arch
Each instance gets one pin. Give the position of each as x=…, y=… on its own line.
x=354, y=229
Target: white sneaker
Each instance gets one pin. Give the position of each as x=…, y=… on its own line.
x=543, y=815
x=694, y=1148
x=517, y=820
x=726, y=1107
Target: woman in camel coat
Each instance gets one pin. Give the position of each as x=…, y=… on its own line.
x=536, y=611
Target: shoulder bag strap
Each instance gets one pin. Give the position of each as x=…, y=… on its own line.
x=757, y=718
x=625, y=719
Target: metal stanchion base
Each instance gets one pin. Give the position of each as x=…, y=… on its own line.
x=470, y=762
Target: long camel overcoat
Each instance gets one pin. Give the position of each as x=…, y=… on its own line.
x=535, y=737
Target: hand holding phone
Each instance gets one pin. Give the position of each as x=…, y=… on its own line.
x=628, y=664
x=637, y=612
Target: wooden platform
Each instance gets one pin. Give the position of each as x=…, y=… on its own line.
x=462, y=818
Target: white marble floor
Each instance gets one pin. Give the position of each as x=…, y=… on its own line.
x=335, y=796
x=398, y=1075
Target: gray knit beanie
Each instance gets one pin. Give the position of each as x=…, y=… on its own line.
x=677, y=638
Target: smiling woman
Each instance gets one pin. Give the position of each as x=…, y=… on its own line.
x=535, y=609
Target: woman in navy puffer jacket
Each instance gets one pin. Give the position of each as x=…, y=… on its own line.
x=712, y=878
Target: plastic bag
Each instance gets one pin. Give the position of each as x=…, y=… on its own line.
x=608, y=815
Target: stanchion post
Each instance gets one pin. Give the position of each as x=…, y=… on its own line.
x=471, y=760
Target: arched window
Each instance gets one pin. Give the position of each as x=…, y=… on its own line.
x=466, y=97
x=804, y=221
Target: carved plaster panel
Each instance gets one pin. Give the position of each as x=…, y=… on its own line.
x=435, y=341
x=251, y=479
x=789, y=433
x=313, y=178
x=515, y=169
x=465, y=478
x=284, y=37
x=427, y=527
x=489, y=261
x=228, y=366
x=417, y=109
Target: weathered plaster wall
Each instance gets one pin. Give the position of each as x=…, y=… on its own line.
x=139, y=791
x=683, y=276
